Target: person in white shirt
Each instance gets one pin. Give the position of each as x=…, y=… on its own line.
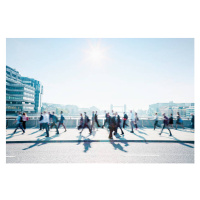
x=45, y=123
x=132, y=120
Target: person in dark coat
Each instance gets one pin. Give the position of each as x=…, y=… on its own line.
x=118, y=124
x=86, y=121
x=171, y=121
x=96, y=119
x=112, y=126
x=192, y=120
x=165, y=124
x=124, y=120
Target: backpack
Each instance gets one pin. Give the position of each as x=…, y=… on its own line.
x=56, y=119
x=21, y=120
x=167, y=120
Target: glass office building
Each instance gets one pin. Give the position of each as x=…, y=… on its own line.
x=21, y=96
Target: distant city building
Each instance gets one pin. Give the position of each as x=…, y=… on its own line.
x=38, y=92
x=20, y=96
x=169, y=108
x=189, y=111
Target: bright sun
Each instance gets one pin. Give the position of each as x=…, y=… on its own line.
x=96, y=54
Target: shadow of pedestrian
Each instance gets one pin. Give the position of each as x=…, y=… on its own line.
x=182, y=143
x=87, y=145
x=40, y=142
x=34, y=132
x=140, y=137
x=124, y=140
x=117, y=146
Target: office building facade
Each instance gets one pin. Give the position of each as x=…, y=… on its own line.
x=19, y=95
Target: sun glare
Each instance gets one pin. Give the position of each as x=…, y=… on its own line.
x=96, y=54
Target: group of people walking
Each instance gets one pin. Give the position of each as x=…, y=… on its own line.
x=112, y=122
x=21, y=121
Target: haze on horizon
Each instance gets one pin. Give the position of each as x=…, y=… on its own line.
x=100, y=72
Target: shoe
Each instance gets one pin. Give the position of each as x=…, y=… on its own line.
x=65, y=130
x=170, y=135
x=132, y=132
x=122, y=133
x=110, y=138
x=46, y=136
x=102, y=126
x=160, y=133
x=115, y=133
x=57, y=133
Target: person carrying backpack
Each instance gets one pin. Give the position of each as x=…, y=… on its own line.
x=54, y=122
x=19, y=122
x=165, y=124
x=124, y=120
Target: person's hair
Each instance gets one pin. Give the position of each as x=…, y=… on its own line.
x=85, y=113
x=156, y=113
x=135, y=113
x=41, y=113
x=61, y=111
x=81, y=114
x=171, y=114
x=178, y=113
x=24, y=113
x=53, y=112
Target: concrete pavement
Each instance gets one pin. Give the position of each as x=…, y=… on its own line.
x=100, y=135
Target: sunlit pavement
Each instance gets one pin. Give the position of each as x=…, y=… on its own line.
x=143, y=146
x=100, y=152
x=100, y=135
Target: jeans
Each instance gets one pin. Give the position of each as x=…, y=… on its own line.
x=19, y=126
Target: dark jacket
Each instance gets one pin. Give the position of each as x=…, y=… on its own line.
x=125, y=116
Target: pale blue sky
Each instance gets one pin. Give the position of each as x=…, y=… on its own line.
x=87, y=72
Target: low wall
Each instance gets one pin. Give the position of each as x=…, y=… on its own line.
x=72, y=123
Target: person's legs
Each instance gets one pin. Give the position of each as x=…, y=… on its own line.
x=155, y=124
x=122, y=133
x=16, y=128
x=169, y=131
x=132, y=124
x=64, y=127
x=46, y=126
x=111, y=130
x=59, y=125
x=97, y=123
x=162, y=128
x=56, y=128
x=21, y=126
x=124, y=124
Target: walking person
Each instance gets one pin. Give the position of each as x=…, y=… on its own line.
x=112, y=126
x=96, y=119
x=24, y=120
x=118, y=124
x=45, y=122
x=125, y=118
x=54, y=122
x=18, y=122
x=165, y=124
x=179, y=120
x=156, y=121
x=80, y=122
x=93, y=120
x=136, y=120
x=132, y=120
x=86, y=121
x=61, y=122
x=171, y=121
x=192, y=120
x=40, y=121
